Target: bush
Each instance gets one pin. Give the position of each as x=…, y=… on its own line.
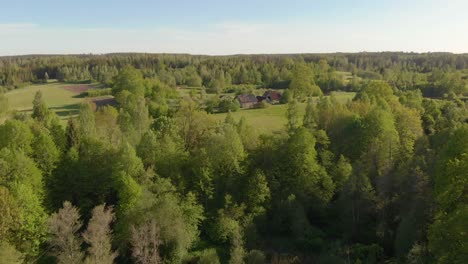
x=98, y=92
x=262, y=104
x=369, y=75
x=286, y=97
x=241, y=88
x=208, y=256
x=228, y=106
x=255, y=257
x=314, y=90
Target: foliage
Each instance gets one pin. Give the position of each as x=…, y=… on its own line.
x=64, y=227
x=98, y=236
x=377, y=178
x=225, y=106
x=8, y=254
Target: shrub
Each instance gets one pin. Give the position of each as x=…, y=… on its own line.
x=208, y=256
x=255, y=257
x=286, y=97
x=228, y=106
x=262, y=104
x=98, y=92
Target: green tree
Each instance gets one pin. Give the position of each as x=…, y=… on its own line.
x=310, y=115
x=134, y=118
x=23, y=181
x=258, y=193
x=192, y=124
x=129, y=79
x=72, y=134
x=45, y=152
x=176, y=217
x=256, y=257
x=40, y=109
x=86, y=121
x=107, y=127
x=341, y=172
x=3, y=104
x=148, y=148
x=308, y=178
x=292, y=114
x=447, y=234
x=302, y=83
x=8, y=254
x=16, y=135
x=381, y=141
x=9, y=208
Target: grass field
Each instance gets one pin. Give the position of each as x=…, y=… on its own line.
x=63, y=99
x=273, y=118
x=265, y=120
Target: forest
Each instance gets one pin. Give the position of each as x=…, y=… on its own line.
x=154, y=178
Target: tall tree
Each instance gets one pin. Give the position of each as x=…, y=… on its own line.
x=23, y=180
x=8, y=254
x=40, y=109
x=302, y=83
x=292, y=114
x=63, y=228
x=129, y=79
x=86, y=121
x=447, y=235
x=146, y=240
x=98, y=236
x=310, y=113
x=3, y=104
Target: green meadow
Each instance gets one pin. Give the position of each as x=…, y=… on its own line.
x=273, y=118
x=62, y=98
x=65, y=103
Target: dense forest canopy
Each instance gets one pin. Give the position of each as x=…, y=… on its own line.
x=434, y=73
x=381, y=178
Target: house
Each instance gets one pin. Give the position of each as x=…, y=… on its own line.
x=247, y=100
x=260, y=98
x=272, y=96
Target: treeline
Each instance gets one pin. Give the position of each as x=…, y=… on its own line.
x=382, y=178
x=436, y=74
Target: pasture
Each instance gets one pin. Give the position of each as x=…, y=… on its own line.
x=63, y=99
x=273, y=118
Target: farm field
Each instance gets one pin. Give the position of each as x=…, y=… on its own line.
x=63, y=99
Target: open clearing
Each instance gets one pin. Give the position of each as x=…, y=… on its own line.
x=63, y=99
x=273, y=118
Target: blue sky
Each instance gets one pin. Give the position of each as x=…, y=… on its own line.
x=232, y=27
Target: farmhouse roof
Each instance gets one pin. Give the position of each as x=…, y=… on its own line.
x=272, y=95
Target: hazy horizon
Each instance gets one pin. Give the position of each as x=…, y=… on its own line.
x=244, y=27
x=238, y=54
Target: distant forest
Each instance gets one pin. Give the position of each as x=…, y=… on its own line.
x=153, y=178
x=435, y=74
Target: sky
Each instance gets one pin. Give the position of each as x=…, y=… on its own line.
x=217, y=27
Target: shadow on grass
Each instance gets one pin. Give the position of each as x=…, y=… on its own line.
x=67, y=110
x=81, y=95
